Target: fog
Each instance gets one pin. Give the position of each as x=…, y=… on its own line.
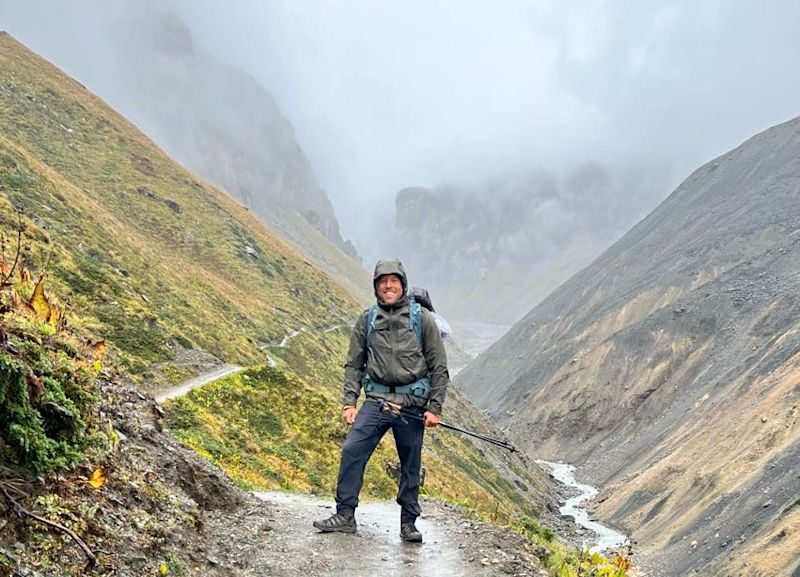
x=385, y=95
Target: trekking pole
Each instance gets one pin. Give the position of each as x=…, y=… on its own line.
x=497, y=442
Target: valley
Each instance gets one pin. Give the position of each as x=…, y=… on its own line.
x=177, y=300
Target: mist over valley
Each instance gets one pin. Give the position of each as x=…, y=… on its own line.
x=603, y=202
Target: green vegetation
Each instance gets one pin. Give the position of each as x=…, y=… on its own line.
x=269, y=429
x=173, y=565
x=564, y=561
x=47, y=390
x=131, y=239
x=175, y=375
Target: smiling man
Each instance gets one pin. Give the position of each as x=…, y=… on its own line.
x=398, y=358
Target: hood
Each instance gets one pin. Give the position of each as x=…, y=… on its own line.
x=389, y=266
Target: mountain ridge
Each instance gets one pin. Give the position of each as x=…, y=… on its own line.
x=511, y=241
x=623, y=368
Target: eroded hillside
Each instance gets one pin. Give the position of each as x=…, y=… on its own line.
x=668, y=369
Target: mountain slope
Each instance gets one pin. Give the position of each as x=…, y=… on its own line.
x=154, y=261
x=221, y=123
x=137, y=238
x=218, y=121
x=667, y=368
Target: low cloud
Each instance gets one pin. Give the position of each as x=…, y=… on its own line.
x=384, y=95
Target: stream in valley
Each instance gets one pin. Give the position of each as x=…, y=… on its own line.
x=605, y=537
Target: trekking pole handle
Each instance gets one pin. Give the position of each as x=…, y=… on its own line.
x=497, y=442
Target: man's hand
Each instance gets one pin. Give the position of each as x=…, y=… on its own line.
x=431, y=419
x=350, y=415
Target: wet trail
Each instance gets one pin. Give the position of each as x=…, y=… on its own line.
x=376, y=549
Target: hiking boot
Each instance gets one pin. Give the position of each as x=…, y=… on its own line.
x=409, y=533
x=337, y=523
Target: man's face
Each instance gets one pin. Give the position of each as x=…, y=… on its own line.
x=390, y=289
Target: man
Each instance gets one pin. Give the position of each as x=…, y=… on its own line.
x=402, y=367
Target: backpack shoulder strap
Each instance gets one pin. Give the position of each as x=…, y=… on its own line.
x=415, y=318
x=372, y=313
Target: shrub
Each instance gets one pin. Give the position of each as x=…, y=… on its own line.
x=532, y=528
x=30, y=439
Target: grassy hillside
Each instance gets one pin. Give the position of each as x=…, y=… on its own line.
x=151, y=259
x=132, y=239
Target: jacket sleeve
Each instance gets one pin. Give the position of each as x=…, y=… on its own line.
x=436, y=359
x=356, y=362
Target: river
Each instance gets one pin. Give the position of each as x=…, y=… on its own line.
x=606, y=537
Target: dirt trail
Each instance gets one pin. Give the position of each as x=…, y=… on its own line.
x=285, y=340
x=453, y=545
x=224, y=370
x=274, y=535
x=193, y=383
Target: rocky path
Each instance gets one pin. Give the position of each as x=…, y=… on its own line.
x=272, y=534
x=285, y=340
x=276, y=538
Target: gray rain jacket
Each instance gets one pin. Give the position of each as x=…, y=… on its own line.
x=398, y=359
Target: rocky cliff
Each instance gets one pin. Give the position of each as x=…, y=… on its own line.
x=668, y=369
x=492, y=251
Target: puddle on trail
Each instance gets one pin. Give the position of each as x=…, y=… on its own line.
x=607, y=538
x=376, y=549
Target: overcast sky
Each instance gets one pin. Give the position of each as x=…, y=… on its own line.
x=387, y=94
